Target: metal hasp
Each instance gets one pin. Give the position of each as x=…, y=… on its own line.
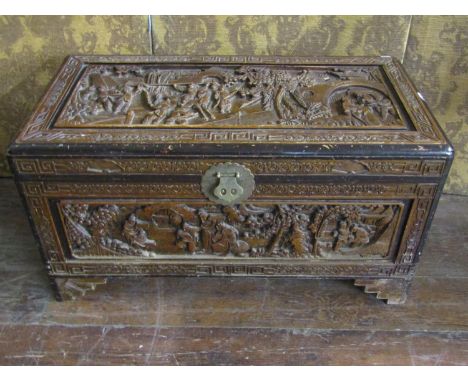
x=228, y=183
x=228, y=189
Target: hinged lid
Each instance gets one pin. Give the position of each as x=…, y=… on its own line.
x=224, y=105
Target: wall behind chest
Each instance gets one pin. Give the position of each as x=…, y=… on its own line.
x=33, y=48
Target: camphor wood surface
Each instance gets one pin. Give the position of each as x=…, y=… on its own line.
x=333, y=100
x=247, y=96
x=308, y=167
x=234, y=321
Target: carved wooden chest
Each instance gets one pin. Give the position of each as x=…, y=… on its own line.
x=231, y=166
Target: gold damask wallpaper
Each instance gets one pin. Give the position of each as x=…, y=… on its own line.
x=436, y=58
x=32, y=49
x=281, y=35
x=434, y=49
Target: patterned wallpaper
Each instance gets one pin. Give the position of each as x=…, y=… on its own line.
x=32, y=49
x=281, y=35
x=436, y=58
x=434, y=49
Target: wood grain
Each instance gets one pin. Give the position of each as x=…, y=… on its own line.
x=97, y=345
x=233, y=321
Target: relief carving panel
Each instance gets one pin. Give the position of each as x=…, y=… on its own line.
x=260, y=230
x=247, y=95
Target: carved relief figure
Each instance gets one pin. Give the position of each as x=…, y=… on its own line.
x=188, y=237
x=244, y=95
x=265, y=230
x=226, y=240
x=360, y=236
x=342, y=235
x=135, y=234
x=367, y=108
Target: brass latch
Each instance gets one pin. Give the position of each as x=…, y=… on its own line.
x=228, y=189
x=228, y=183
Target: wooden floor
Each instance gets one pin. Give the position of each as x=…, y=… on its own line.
x=233, y=321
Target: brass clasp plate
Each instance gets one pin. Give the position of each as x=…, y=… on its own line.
x=228, y=183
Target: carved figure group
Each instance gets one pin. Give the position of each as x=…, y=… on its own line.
x=236, y=95
x=217, y=236
x=352, y=235
x=246, y=230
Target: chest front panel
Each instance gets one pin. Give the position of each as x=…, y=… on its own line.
x=133, y=227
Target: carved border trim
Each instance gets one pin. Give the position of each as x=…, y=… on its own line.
x=228, y=269
x=413, y=103
x=241, y=59
x=43, y=224
x=404, y=190
x=40, y=120
x=262, y=190
x=280, y=136
x=157, y=190
x=98, y=166
x=412, y=236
